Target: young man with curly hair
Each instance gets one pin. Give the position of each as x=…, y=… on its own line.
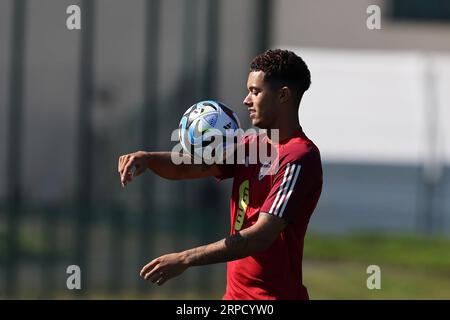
x=269, y=212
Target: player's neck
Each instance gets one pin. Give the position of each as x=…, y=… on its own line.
x=285, y=128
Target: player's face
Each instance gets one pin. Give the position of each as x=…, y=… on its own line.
x=261, y=101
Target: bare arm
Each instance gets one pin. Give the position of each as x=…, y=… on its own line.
x=161, y=163
x=240, y=245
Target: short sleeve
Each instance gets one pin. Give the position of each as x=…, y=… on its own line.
x=295, y=190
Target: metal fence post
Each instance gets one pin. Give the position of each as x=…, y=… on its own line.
x=15, y=143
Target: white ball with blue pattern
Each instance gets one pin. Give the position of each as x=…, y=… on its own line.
x=208, y=128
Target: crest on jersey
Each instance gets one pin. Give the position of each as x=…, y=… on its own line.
x=264, y=170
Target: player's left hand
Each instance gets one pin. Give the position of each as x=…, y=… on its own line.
x=164, y=268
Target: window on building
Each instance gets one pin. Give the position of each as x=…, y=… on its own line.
x=420, y=10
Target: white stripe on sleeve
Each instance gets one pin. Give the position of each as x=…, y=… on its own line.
x=286, y=188
x=281, y=188
x=290, y=192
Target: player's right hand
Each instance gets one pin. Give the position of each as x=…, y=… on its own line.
x=131, y=165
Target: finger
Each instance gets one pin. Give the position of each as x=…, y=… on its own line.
x=156, y=276
x=123, y=174
x=152, y=264
x=127, y=163
x=119, y=163
x=123, y=160
x=132, y=172
x=161, y=281
x=127, y=168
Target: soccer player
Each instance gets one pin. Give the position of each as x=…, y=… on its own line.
x=269, y=212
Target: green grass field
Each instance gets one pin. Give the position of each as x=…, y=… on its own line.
x=412, y=267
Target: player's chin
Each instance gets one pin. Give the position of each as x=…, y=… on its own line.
x=257, y=122
x=254, y=119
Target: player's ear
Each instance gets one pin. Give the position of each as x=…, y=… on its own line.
x=284, y=94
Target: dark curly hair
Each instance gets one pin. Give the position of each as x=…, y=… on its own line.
x=283, y=68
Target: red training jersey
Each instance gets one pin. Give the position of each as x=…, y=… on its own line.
x=288, y=188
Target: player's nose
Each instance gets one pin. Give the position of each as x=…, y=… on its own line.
x=247, y=101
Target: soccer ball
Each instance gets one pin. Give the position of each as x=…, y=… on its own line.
x=207, y=129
